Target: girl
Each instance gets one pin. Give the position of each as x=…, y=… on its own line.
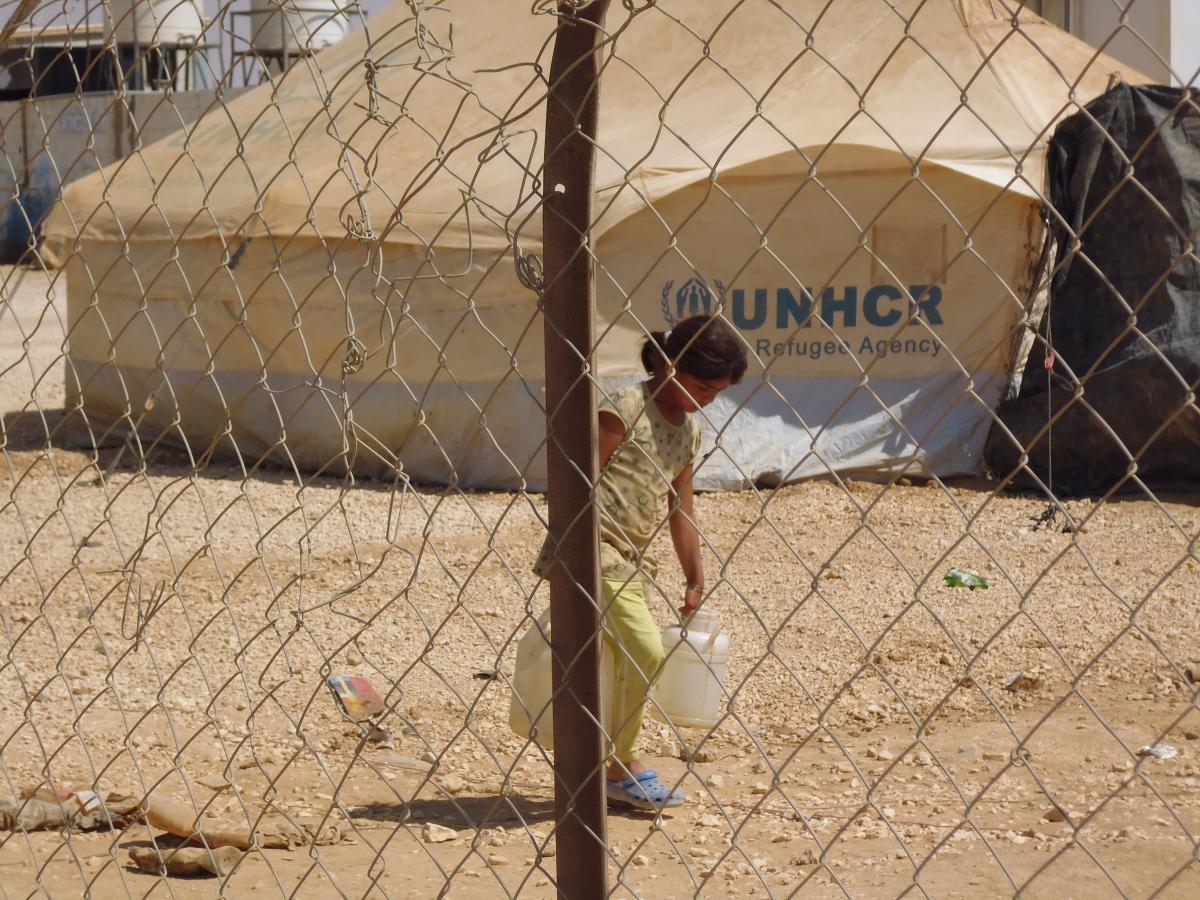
x=648, y=441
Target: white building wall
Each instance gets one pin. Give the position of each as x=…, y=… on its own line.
x=1144, y=41
x=1159, y=37
x=1185, y=41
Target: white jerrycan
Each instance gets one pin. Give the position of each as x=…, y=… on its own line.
x=533, y=675
x=689, y=690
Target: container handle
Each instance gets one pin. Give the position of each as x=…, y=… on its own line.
x=712, y=635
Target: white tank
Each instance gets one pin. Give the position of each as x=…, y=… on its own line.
x=530, y=712
x=151, y=22
x=688, y=692
x=296, y=26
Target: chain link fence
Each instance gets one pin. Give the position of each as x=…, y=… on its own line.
x=275, y=371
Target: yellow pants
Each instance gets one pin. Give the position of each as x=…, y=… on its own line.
x=637, y=647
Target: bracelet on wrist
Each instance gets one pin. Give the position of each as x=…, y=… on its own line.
x=698, y=588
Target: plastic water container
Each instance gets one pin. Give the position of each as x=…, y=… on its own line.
x=689, y=690
x=530, y=705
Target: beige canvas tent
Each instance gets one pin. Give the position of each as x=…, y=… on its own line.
x=324, y=271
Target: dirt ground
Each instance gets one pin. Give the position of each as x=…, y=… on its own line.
x=169, y=631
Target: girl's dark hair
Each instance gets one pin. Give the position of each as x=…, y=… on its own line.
x=704, y=347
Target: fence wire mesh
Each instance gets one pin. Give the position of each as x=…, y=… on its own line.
x=272, y=375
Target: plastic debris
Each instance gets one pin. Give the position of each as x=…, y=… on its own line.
x=184, y=861
x=360, y=703
x=272, y=831
x=962, y=578
x=356, y=696
x=1158, y=751
x=42, y=810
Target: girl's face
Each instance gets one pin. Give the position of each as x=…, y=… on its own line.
x=690, y=393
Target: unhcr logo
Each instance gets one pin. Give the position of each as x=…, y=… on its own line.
x=694, y=298
x=877, y=306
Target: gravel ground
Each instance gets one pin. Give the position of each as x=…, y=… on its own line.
x=164, y=627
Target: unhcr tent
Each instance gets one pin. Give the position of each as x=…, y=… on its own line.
x=325, y=271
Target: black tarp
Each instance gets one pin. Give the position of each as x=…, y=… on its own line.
x=1124, y=311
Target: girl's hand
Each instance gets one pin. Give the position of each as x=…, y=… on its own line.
x=692, y=598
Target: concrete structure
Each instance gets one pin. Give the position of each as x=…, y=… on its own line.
x=51, y=141
x=1158, y=37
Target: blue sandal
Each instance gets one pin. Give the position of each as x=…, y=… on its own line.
x=643, y=791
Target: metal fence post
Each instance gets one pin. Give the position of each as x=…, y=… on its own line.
x=569, y=303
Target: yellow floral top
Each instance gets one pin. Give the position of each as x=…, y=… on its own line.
x=636, y=484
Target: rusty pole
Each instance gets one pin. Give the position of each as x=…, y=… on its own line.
x=569, y=303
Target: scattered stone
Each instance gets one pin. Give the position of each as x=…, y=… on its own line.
x=708, y=821
x=452, y=784
x=428, y=756
x=1054, y=815
x=1020, y=681
x=213, y=782
x=716, y=782
x=496, y=860
x=807, y=858
x=1191, y=736
x=780, y=837
x=433, y=833
x=400, y=761
x=1158, y=751
x=993, y=756
x=759, y=789
x=380, y=736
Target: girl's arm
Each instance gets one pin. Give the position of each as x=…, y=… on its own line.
x=686, y=539
x=611, y=433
